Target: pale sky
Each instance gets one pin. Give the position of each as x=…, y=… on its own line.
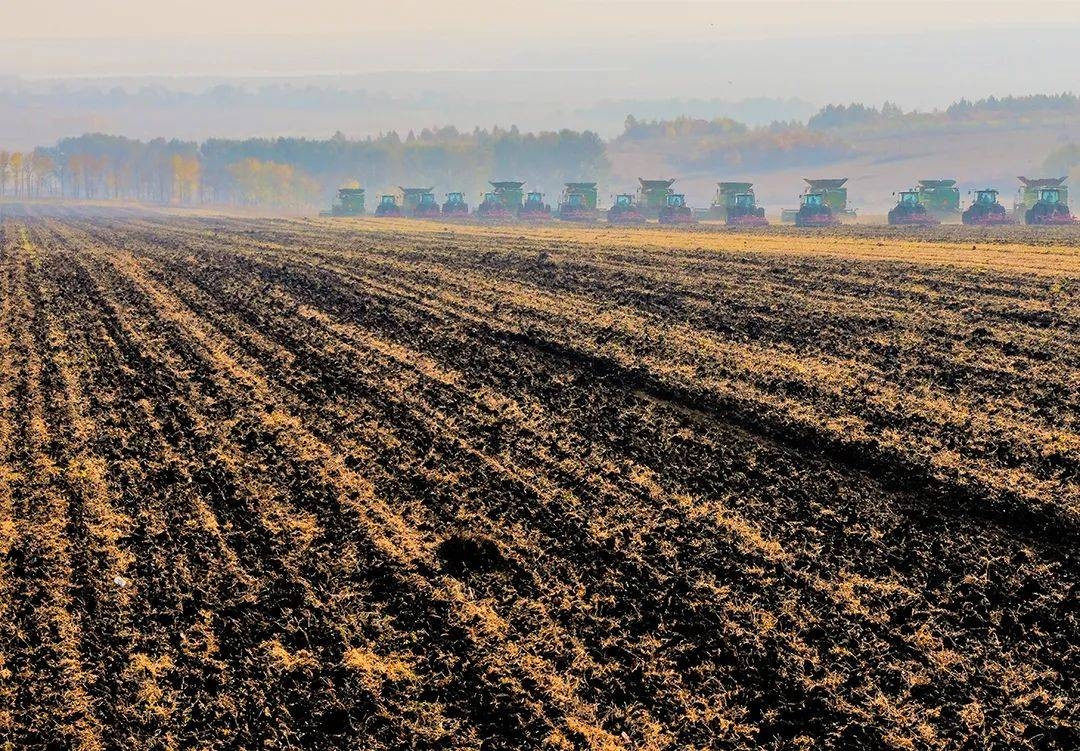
x=919, y=54
x=470, y=19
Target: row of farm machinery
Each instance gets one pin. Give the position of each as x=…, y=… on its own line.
x=823, y=203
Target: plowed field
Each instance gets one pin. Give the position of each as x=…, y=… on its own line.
x=393, y=485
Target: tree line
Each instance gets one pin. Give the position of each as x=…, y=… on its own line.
x=297, y=172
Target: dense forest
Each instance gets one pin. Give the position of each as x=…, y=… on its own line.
x=303, y=173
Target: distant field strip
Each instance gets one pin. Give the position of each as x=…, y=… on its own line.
x=272, y=483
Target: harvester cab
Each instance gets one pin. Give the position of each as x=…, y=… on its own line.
x=534, y=206
x=388, y=206
x=455, y=205
x=814, y=211
x=911, y=210
x=675, y=210
x=624, y=211
x=1050, y=208
x=744, y=211
x=985, y=209
x=578, y=202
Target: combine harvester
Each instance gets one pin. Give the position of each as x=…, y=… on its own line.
x=388, y=206
x=675, y=211
x=725, y=198
x=815, y=211
x=578, y=202
x=1043, y=201
x=652, y=196
x=534, y=209
x=503, y=202
x=419, y=202
x=625, y=211
x=833, y=194
x=985, y=210
x=349, y=202
x=455, y=205
x=941, y=198
x=910, y=211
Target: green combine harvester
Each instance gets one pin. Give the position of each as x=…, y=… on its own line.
x=419, y=202
x=653, y=196
x=940, y=197
x=504, y=201
x=833, y=195
x=578, y=202
x=725, y=198
x=349, y=202
x=1045, y=190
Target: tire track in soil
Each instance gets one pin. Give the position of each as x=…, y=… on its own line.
x=52, y=699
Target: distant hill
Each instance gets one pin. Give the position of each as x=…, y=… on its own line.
x=986, y=142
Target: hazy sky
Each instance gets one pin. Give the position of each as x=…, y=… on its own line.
x=920, y=54
x=477, y=19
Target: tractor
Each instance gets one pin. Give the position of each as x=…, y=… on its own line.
x=985, y=210
x=1050, y=208
x=492, y=207
x=388, y=206
x=534, y=208
x=744, y=212
x=625, y=211
x=911, y=211
x=455, y=205
x=578, y=202
x=815, y=211
x=675, y=211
